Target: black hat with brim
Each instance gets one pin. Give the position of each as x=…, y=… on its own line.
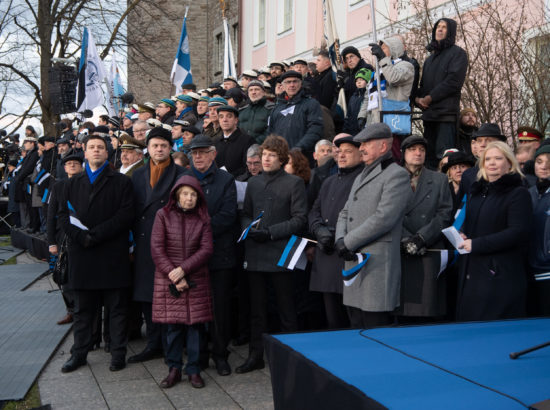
x=71, y=156
x=456, y=158
x=347, y=140
x=489, y=129
x=228, y=108
x=291, y=74
x=413, y=140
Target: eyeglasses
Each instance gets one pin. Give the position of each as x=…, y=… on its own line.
x=139, y=131
x=253, y=163
x=197, y=153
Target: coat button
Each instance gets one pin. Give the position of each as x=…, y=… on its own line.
x=468, y=276
x=162, y=201
x=143, y=218
x=142, y=234
x=326, y=220
x=351, y=219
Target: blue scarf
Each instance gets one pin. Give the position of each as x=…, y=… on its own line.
x=184, y=112
x=201, y=175
x=92, y=175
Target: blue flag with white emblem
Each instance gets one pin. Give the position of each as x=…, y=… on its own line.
x=181, y=70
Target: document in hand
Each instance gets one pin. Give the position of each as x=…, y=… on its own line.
x=454, y=237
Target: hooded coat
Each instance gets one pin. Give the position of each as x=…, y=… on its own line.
x=399, y=75
x=492, y=279
x=182, y=238
x=443, y=75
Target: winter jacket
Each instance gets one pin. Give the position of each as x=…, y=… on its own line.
x=325, y=90
x=182, y=238
x=443, y=75
x=539, y=250
x=350, y=123
x=231, y=152
x=23, y=175
x=299, y=120
x=399, y=76
x=492, y=279
x=282, y=198
x=326, y=270
x=99, y=256
x=253, y=118
x=221, y=198
x=147, y=202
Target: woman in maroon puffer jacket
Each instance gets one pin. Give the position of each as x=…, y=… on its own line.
x=181, y=244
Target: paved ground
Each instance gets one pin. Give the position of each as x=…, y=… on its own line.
x=137, y=387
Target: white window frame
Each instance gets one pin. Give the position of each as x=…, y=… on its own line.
x=259, y=20
x=283, y=30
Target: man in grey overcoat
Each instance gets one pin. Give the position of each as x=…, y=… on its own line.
x=371, y=222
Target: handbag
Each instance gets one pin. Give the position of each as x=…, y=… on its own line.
x=60, y=273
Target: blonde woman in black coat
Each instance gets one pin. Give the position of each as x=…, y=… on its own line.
x=493, y=281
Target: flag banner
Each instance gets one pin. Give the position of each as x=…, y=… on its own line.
x=333, y=45
x=181, y=70
x=254, y=222
x=542, y=276
x=350, y=275
x=115, y=88
x=228, y=60
x=293, y=256
x=447, y=259
x=460, y=215
x=73, y=219
x=91, y=74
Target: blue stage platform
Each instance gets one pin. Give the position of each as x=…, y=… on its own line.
x=451, y=366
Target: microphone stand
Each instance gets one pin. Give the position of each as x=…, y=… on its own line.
x=515, y=355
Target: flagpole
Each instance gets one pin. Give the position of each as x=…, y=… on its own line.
x=375, y=40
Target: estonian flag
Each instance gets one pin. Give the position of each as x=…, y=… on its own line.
x=74, y=219
x=446, y=256
x=254, y=222
x=181, y=70
x=293, y=256
x=460, y=215
x=351, y=274
x=542, y=276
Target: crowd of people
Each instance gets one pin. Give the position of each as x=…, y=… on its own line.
x=176, y=214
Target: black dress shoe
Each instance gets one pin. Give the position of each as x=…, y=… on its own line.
x=147, y=354
x=222, y=367
x=72, y=364
x=117, y=364
x=252, y=363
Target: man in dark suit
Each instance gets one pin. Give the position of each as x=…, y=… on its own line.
x=152, y=185
x=96, y=214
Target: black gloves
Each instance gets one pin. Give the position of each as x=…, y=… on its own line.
x=259, y=235
x=342, y=251
x=377, y=51
x=414, y=245
x=325, y=239
x=361, y=122
x=85, y=239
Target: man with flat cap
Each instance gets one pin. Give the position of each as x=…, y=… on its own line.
x=152, y=185
x=246, y=77
x=146, y=111
x=131, y=155
x=184, y=109
x=253, y=116
x=297, y=117
x=370, y=222
x=63, y=147
x=276, y=69
x=327, y=265
x=221, y=198
x=182, y=134
x=166, y=111
x=231, y=149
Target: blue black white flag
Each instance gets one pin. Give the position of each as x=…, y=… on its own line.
x=542, y=276
x=181, y=70
x=247, y=229
x=293, y=256
x=91, y=74
x=460, y=215
x=350, y=275
x=115, y=88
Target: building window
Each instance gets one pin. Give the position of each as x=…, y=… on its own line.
x=259, y=27
x=219, y=54
x=285, y=16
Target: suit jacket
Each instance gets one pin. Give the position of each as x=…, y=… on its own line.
x=370, y=222
x=147, y=202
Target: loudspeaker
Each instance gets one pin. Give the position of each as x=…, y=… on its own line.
x=63, y=80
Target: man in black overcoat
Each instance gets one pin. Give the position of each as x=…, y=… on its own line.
x=97, y=214
x=152, y=186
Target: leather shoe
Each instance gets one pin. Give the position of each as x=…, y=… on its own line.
x=252, y=363
x=67, y=319
x=222, y=367
x=196, y=381
x=117, y=364
x=173, y=377
x=72, y=364
x=147, y=354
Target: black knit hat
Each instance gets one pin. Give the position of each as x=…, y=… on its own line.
x=160, y=132
x=350, y=50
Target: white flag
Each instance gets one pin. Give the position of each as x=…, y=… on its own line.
x=228, y=60
x=91, y=74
